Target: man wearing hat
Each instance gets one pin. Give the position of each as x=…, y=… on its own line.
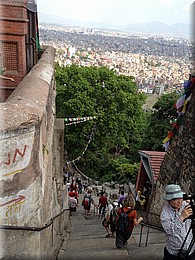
x=175, y=222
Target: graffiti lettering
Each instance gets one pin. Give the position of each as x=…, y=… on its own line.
x=17, y=152
x=8, y=162
x=13, y=205
x=13, y=208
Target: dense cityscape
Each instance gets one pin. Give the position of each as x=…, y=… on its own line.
x=158, y=64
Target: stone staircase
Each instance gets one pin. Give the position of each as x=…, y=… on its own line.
x=87, y=240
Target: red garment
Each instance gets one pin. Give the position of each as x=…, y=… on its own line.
x=73, y=186
x=103, y=201
x=132, y=215
x=73, y=194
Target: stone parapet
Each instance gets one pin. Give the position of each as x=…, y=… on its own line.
x=32, y=193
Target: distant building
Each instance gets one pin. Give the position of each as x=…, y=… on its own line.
x=160, y=90
x=71, y=51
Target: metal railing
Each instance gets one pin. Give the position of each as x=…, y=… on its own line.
x=149, y=226
x=28, y=228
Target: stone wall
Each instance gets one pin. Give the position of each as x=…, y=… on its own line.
x=32, y=195
x=178, y=166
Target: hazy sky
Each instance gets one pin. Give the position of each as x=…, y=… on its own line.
x=119, y=12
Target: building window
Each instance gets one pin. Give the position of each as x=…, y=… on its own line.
x=10, y=56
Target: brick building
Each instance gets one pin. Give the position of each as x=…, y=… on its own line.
x=18, y=41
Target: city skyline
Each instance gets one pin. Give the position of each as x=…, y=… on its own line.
x=119, y=12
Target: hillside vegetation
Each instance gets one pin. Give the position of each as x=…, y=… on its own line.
x=106, y=147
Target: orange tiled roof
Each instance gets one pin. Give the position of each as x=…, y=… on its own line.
x=155, y=159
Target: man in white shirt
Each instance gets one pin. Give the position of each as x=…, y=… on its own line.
x=110, y=220
x=176, y=223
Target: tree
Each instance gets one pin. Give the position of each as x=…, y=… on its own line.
x=114, y=100
x=158, y=122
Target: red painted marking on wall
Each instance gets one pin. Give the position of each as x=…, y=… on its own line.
x=20, y=198
x=8, y=162
x=18, y=152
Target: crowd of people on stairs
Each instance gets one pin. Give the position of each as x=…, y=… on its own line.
x=118, y=217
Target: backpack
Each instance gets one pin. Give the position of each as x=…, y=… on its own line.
x=123, y=221
x=72, y=203
x=113, y=215
x=86, y=202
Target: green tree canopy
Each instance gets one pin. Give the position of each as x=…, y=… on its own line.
x=158, y=122
x=118, y=129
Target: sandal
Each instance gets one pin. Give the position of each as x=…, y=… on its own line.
x=108, y=235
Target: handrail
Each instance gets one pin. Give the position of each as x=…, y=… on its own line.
x=27, y=228
x=152, y=226
x=147, y=234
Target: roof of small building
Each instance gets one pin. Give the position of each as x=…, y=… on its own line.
x=155, y=159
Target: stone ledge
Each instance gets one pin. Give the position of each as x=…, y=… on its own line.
x=27, y=103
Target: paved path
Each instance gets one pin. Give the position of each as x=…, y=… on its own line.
x=87, y=241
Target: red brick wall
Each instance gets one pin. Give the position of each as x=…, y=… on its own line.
x=13, y=29
x=12, y=11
